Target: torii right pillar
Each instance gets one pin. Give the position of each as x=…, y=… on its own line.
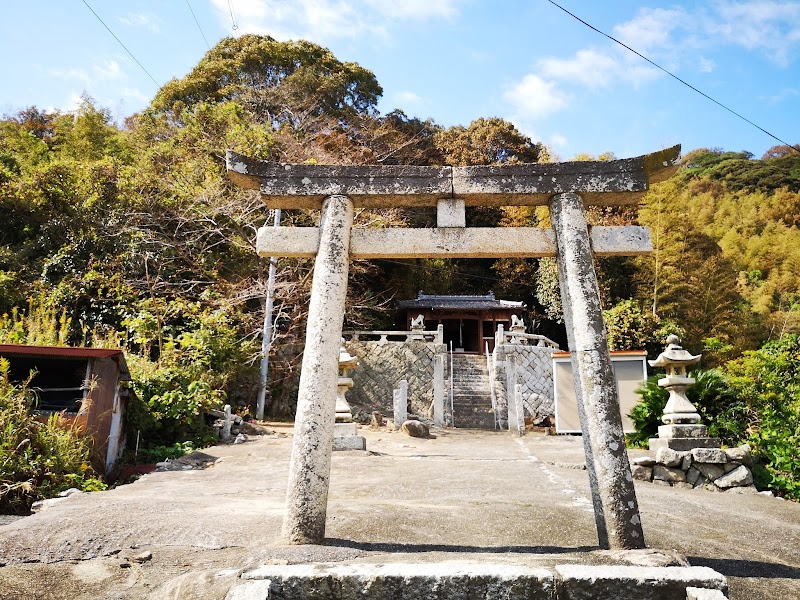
x=615, y=506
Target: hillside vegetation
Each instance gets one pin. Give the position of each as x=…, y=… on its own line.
x=132, y=234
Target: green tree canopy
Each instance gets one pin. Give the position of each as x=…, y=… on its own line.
x=278, y=82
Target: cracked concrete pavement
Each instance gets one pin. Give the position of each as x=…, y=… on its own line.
x=467, y=496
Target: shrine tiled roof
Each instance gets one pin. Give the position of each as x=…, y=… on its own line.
x=486, y=302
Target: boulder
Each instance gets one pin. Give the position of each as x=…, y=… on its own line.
x=737, y=478
x=415, y=429
x=643, y=461
x=709, y=455
x=669, y=457
x=710, y=471
x=668, y=474
x=641, y=472
x=740, y=455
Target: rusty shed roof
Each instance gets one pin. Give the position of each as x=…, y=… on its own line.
x=67, y=352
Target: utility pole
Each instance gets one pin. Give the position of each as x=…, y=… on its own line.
x=266, y=332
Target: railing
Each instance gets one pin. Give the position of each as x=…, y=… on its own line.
x=525, y=339
x=490, y=371
x=401, y=337
x=452, y=410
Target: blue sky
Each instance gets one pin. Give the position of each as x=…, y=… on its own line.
x=453, y=61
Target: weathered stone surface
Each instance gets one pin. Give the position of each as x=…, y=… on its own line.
x=693, y=593
x=682, y=431
x=682, y=444
x=401, y=580
x=613, y=494
x=532, y=369
x=740, y=455
x=615, y=182
x=400, y=403
x=686, y=462
x=415, y=429
x=312, y=444
x=668, y=474
x=669, y=457
x=644, y=461
x=692, y=475
x=305, y=186
x=641, y=472
x=382, y=364
x=350, y=442
x=646, y=557
x=709, y=455
x=574, y=582
x=450, y=213
x=741, y=476
x=709, y=470
x=344, y=429
x=250, y=590
x=453, y=242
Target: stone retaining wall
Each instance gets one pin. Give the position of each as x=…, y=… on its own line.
x=382, y=364
x=707, y=468
x=534, y=371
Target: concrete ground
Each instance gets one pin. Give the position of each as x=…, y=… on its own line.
x=465, y=496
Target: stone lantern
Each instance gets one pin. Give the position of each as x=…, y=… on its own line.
x=345, y=432
x=682, y=429
x=346, y=363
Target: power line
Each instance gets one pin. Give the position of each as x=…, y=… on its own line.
x=233, y=15
x=198, y=24
x=121, y=44
x=689, y=85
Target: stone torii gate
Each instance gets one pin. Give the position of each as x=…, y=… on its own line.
x=565, y=187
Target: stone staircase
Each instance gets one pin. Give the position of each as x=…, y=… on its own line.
x=472, y=400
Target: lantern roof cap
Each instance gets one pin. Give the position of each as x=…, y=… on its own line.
x=674, y=354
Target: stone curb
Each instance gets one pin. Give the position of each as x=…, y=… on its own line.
x=467, y=581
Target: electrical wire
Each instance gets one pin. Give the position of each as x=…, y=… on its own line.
x=233, y=15
x=198, y=24
x=689, y=85
x=121, y=44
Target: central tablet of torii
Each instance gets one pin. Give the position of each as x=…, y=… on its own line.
x=564, y=187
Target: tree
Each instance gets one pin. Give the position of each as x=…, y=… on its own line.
x=488, y=142
x=278, y=82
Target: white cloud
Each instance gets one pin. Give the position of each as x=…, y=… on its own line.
x=769, y=26
x=590, y=67
x=325, y=20
x=534, y=97
x=651, y=29
x=71, y=73
x=149, y=22
x=415, y=9
x=108, y=70
x=408, y=97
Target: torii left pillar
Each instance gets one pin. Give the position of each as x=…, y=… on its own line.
x=312, y=445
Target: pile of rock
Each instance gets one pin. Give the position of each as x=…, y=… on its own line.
x=708, y=468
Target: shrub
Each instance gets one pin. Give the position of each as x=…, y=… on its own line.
x=768, y=382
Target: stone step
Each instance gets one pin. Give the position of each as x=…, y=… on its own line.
x=448, y=581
